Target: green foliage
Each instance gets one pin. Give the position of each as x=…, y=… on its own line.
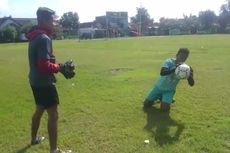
x=101, y=108
x=58, y=33
x=70, y=24
x=26, y=28
x=190, y=23
x=70, y=21
x=224, y=18
x=207, y=22
x=141, y=21
x=8, y=34
x=207, y=18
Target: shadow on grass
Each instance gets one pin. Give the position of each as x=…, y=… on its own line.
x=23, y=150
x=160, y=124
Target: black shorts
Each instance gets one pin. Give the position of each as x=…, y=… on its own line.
x=46, y=96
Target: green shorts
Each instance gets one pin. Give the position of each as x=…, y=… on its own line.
x=162, y=95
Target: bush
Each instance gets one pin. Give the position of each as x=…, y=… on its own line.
x=8, y=34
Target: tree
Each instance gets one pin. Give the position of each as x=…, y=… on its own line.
x=70, y=22
x=8, y=34
x=142, y=21
x=207, y=18
x=191, y=23
x=225, y=8
x=167, y=24
x=57, y=33
x=224, y=17
x=26, y=28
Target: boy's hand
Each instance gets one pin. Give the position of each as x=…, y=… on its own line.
x=190, y=79
x=178, y=64
x=67, y=69
x=191, y=72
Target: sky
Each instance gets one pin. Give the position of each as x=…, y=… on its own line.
x=88, y=9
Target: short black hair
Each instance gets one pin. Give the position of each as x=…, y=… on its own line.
x=44, y=13
x=183, y=51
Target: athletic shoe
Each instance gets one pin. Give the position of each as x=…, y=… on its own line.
x=38, y=140
x=61, y=151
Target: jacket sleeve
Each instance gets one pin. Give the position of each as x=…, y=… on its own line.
x=45, y=66
x=44, y=56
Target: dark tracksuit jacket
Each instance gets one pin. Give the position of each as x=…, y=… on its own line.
x=42, y=64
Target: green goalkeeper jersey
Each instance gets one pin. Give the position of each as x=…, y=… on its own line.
x=168, y=82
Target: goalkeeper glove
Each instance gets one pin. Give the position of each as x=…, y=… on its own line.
x=67, y=69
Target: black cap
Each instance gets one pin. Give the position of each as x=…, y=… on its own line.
x=44, y=13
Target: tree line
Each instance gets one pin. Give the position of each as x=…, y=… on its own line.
x=206, y=22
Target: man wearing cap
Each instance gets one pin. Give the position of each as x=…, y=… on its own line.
x=41, y=76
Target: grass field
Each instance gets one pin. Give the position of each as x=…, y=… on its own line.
x=101, y=108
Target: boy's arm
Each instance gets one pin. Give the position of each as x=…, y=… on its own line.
x=45, y=66
x=167, y=68
x=190, y=79
x=166, y=71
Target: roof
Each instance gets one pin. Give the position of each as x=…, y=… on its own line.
x=23, y=21
x=19, y=21
x=4, y=19
x=86, y=24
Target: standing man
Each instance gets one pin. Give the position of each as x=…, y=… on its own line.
x=165, y=87
x=42, y=68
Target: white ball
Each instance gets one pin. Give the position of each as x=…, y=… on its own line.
x=146, y=141
x=182, y=71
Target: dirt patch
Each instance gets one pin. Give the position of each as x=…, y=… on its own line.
x=118, y=70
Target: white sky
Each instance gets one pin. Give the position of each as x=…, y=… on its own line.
x=88, y=9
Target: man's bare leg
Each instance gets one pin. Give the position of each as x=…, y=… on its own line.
x=52, y=127
x=36, y=122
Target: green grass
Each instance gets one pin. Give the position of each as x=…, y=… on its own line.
x=103, y=112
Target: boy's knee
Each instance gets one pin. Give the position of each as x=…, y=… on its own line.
x=165, y=107
x=147, y=103
x=53, y=115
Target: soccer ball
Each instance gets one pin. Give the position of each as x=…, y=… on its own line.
x=182, y=71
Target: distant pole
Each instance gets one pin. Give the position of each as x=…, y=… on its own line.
x=140, y=24
x=107, y=27
x=78, y=31
x=140, y=31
